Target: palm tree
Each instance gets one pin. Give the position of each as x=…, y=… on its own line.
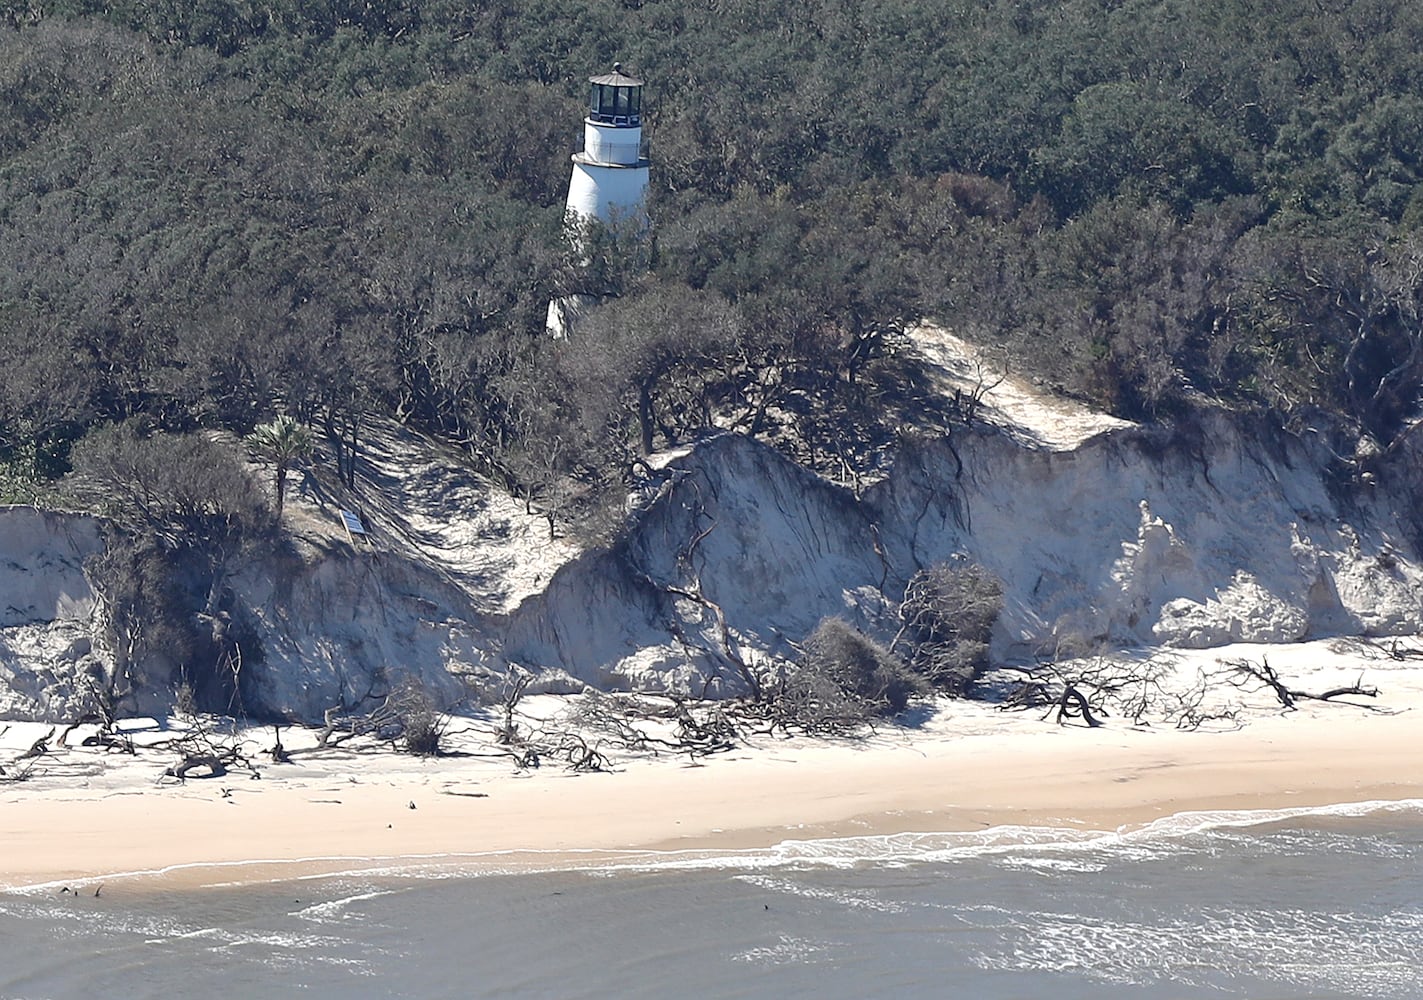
x=281, y=442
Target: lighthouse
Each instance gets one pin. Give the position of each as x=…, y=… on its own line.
x=609, y=182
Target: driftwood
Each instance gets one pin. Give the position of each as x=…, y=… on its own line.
x=14, y=777
x=1398, y=650
x=1141, y=692
x=329, y=729
x=716, y=732
x=216, y=766
x=108, y=735
x=583, y=740
x=200, y=748
x=383, y=722
x=1244, y=671
x=85, y=719
x=1029, y=693
x=571, y=749
x=514, y=689
x=278, y=753
x=39, y=747
x=1073, y=705
x=109, y=741
x=597, y=723
x=616, y=719
x=1067, y=696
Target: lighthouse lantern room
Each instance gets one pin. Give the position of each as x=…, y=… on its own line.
x=615, y=99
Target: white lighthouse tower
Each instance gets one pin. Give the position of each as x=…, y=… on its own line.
x=609, y=182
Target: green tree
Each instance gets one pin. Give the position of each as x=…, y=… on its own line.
x=183, y=510
x=664, y=346
x=282, y=441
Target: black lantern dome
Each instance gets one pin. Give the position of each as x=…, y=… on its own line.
x=615, y=99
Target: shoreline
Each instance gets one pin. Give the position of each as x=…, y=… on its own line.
x=972, y=771
x=808, y=849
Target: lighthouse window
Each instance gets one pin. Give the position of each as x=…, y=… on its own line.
x=600, y=102
x=622, y=97
x=634, y=103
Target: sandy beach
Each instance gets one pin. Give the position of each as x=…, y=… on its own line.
x=83, y=817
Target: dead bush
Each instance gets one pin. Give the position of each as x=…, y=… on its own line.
x=421, y=722
x=948, y=614
x=848, y=673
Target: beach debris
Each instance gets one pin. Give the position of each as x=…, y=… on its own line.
x=527, y=743
x=515, y=684
x=278, y=753
x=209, y=748
x=1245, y=671
x=39, y=748
x=84, y=719
x=109, y=739
x=1398, y=650
x=1074, y=705
x=1093, y=687
x=407, y=714
x=1096, y=686
x=103, y=715
x=215, y=765
x=22, y=774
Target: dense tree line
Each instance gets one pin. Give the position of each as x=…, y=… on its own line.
x=212, y=213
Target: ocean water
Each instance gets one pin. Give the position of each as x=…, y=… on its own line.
x=1320, y=903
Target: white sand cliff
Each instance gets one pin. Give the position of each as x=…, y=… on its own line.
x=1220, y=532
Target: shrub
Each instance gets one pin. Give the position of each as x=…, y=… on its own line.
x=841, y=660
x=422, y=723
x=948, y=612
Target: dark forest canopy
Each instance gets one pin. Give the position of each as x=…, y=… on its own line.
x=213, y=212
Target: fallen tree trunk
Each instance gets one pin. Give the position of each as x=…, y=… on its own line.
x=1073, y=697
x=39, y=747
x=216, y=766
x=1288, y=696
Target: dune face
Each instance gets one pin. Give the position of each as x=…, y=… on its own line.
x=47, y=611
x=1218, y=531
x=1130, y=537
